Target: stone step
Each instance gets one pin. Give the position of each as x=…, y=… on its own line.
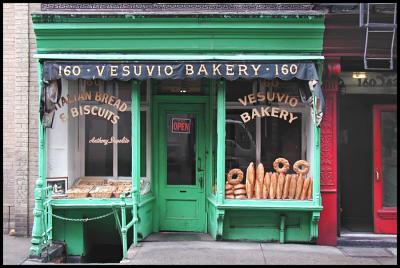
x=368, y=241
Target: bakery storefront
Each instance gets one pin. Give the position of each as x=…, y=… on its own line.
x=166, y=123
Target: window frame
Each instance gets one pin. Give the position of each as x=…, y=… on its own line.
x=144, y=107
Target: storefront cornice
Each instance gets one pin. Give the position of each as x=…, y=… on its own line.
x=174, y=57
x=60, y=17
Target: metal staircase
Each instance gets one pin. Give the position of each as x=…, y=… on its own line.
x=389, y=29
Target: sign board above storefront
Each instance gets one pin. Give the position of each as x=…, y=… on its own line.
x=178, y=70
x=370, y=83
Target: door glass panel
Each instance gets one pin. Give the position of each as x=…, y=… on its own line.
x=389, y=157
x=181, y=149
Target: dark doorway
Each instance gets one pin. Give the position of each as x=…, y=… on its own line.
x=355, y=159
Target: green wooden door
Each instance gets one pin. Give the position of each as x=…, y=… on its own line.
x=182, y=167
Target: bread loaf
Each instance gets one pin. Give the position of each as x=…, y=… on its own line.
x=286, y=185
x=266, y=185
x=279, y=188
x=259, y=181
x=227, y=192
x=272, y=188
x=292, y=187
x=309, y=192
x=239, y=192
x=250, y=181
x=228, y=186
x=299, y=186
x=305, y=189
x=239, y=186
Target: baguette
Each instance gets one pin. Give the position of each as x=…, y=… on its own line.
x=250, y=180
x=299, y=186
x=266, y=185
x=272, y=189
x=259, y=181
x=309, y=192
x=292, y=187
x=285, y=193
x=306, y=185
x=279, y=188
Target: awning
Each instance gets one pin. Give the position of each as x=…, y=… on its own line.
x=229, y=70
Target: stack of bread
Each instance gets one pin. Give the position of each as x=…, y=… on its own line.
x=271, y=185
x=234, y=189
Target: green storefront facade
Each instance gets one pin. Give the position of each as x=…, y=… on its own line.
x=200, y=205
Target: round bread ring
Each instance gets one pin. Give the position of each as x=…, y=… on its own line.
x=239, y=192
x=282, y=161
x=239, y=186
x=240, y=196
x=228, y=186
x=228, y=192
x=239, y=176
x=301, y=167
x=229, y=196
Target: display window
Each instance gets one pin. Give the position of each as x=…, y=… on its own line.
x=92, y=132
x=266, y=123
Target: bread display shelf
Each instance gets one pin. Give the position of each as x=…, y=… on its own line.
x=99, y=188
x=102, y=191
x=79, y=192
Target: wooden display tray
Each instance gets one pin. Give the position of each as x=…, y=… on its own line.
x=102, y=191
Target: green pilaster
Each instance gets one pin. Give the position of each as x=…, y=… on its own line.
x=38, y=212
x=220, y=141
x=220, y=213
x=135, y=155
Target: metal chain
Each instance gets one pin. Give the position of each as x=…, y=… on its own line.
x=80, y=220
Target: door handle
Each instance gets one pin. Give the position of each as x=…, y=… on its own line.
x=201, y=181
x=199, y=168
x=377, y=175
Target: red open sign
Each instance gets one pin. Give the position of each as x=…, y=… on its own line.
x=180, y=125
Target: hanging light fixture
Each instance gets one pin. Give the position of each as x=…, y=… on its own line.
x=359, y=75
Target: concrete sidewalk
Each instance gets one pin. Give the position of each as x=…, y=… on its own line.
x=15, y=249
x=221, y=252
x=205, y=251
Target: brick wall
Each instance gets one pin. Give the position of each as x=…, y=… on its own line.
x=20, y=114
x=8, y=114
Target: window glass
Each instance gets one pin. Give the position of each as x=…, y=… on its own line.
x=279, y=139
x=181, y=149
x=124, y=149
x=98, y=157
x=237, y=89
x=240, y=141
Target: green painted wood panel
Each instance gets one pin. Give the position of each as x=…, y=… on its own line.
x=268, y=34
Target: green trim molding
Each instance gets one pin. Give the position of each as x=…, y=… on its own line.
x=130, y=34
